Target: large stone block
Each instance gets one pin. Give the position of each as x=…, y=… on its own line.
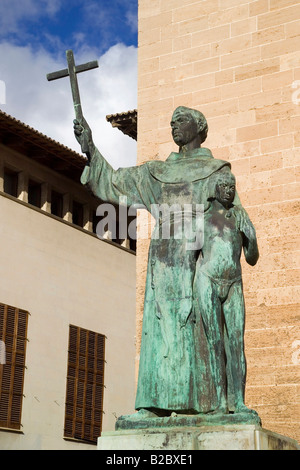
x=227, y=437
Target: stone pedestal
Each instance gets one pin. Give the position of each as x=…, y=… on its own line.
x=183, y=434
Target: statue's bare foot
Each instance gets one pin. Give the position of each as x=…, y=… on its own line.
x=244, y=409
x=135, y=419
x=143, y=413
x=220, y=410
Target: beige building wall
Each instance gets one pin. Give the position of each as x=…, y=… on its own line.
x=64, y=275
x=238, y=61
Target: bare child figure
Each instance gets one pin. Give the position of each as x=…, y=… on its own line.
x=219, y=292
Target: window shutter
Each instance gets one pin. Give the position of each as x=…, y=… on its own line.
x=85, y=384
x=13, y=333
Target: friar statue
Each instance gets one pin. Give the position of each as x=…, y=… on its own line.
x=177, y=369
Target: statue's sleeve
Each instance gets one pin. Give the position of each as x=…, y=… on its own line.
x=109, y=184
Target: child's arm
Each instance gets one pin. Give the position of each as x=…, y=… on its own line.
x=247, y=229
x=250, y=246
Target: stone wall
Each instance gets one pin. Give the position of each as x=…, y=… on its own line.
x=238, y=61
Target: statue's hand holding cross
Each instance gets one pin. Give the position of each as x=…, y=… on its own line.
x=83, y=135
x=81, y=128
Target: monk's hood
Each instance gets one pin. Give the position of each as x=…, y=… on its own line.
x=192, y=166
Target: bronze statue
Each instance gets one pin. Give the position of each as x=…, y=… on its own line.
x=219, y=291
x=193, y=308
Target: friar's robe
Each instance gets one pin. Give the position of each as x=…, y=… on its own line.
x=174, y=372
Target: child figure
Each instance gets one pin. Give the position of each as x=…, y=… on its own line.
x=219, y=292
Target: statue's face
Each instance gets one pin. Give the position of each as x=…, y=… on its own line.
x=225, y=191
x=184, y=128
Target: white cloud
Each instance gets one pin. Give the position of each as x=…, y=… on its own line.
x=14, y=12
x=132, y=20
x=47, y=106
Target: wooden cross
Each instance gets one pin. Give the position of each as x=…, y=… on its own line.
x=72, y=72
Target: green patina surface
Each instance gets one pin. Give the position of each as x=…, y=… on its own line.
x=192, y=358
x=188, y=421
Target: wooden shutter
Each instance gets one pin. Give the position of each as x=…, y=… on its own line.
x=13, y=333
x=85, y=384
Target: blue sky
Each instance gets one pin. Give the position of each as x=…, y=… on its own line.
x=69, y=24
x=34, y=35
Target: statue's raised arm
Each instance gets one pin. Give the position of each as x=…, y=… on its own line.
x=102, y=179
x=84, y=137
